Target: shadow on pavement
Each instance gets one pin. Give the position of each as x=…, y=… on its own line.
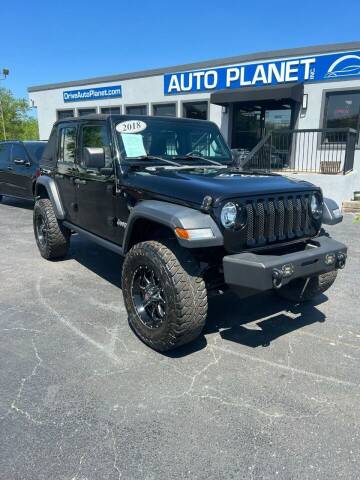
x=273, y=317
x=18, y=203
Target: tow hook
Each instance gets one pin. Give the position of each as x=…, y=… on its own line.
x=277, y=278
x=341, y=260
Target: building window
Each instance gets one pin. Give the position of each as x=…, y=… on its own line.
x=86, y=111
x=64, y=113
x=136, y=110
x=196, y=110
x=111, y=110
x=342, y=110
x=164, y=110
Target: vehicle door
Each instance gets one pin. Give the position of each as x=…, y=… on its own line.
x=66, y=169
x=21, y=172
x=96, y=186
x=5, y=151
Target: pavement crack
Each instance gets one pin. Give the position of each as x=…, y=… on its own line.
x=14, y=404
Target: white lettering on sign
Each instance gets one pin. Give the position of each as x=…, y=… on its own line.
x=270, y=73
x=292, y=71
x=274, y=73
x=131, y=126
x=174, y=84
x=307, y=62
x=211, y=79
x=232, y=75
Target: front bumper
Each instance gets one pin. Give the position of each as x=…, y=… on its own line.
x=248, y=273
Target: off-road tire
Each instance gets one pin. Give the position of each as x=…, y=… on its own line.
x=317, y=285
x=184, y=291
x=57, y=241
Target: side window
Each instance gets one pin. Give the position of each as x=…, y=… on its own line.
x=96, y=136
x=67, y=147
x=18, y=153
x=4, y=154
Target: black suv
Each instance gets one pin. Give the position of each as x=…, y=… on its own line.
x=19, y=166
x=164, y=193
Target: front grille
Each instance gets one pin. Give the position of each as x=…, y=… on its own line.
x=276, y=219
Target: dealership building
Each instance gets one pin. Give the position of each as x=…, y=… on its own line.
x=292, y=111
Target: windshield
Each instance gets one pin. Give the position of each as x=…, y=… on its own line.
x=35, y=150
x=171, y=140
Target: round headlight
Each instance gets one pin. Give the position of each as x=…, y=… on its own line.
x=228, y=214
x=316, y=207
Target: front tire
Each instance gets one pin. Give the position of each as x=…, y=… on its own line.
x=295, y=292
x=164, y=294
x=52, y=238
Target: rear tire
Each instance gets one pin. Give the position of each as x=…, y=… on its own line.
x=177, y=310
x=317, y=285
x=52, y=238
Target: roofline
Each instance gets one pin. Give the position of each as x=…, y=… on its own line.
x=318, y=49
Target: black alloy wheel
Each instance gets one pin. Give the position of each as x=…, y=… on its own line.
x=148, y=297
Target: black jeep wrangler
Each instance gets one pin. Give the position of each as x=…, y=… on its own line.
x=165, y=193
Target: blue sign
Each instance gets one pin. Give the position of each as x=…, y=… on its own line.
x=80, y=95
x=310, y=69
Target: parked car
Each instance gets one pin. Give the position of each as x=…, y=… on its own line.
x=164, y=193
x=19, y=166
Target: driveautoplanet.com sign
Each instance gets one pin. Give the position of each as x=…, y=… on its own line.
x=310, y=69
x=79, y=95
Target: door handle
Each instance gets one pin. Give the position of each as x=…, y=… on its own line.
x=10, y=168
x=19, y=161
x=78, y=181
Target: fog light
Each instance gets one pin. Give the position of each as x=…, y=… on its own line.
x=287, y=270
x=330, y=258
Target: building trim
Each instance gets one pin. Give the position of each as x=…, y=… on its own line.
x=269, y=55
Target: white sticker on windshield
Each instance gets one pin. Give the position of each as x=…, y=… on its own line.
x=133, y=144
x=131, y=126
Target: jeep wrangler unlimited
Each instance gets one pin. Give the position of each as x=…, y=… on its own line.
x=165, y=194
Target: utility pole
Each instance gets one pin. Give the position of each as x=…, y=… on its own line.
x=5, y=73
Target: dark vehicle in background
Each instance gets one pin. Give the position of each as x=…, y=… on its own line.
x=165, y=194
x=19, y=166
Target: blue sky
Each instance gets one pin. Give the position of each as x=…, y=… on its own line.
x=44, y=41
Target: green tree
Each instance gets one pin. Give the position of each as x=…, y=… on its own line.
x=19, y=125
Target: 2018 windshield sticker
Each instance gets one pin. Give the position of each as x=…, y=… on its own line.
x=131, y=126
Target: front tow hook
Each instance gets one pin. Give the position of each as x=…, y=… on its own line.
x=341, y=260
x=277, y=278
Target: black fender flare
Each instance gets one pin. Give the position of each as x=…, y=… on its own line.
x=172, y=215
x=49, y=184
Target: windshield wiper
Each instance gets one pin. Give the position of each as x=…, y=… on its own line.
x=154, y=158
x=198, y=157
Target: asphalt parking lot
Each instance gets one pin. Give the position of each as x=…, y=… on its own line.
x=269, y=391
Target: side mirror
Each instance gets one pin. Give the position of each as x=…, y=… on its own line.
x=94, y=158
x=331, y=213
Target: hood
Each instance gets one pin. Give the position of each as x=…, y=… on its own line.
x=191, y=185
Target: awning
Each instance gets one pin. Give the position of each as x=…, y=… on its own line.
x=257, y=94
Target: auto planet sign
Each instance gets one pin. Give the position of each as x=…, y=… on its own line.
x=84, y=94
x=309, y=69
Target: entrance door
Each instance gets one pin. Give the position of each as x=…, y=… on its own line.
x=251, y=121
